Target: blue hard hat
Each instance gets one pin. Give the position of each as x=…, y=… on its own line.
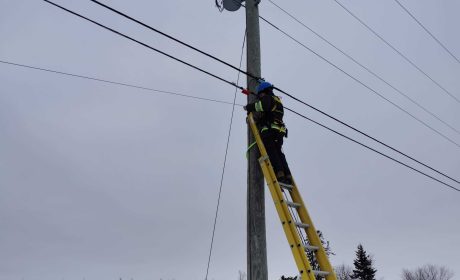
x=263, y=86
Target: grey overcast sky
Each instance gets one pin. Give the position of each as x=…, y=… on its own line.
x=100, y=181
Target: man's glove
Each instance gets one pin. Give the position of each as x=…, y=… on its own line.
x=246, y=109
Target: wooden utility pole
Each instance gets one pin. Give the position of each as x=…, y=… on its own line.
x=256, y=241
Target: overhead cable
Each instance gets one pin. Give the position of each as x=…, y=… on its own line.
x=116, y=83
x=374, y=150
x=225, y=159
x=397, y=51
x=326, y=114
x=427, y=31
x=174, y=39
x=364, y=67
x=360, y=82
x=370, y=137
x=145, y=45
x=168, y=92
x=194, y=48
x=199, y=69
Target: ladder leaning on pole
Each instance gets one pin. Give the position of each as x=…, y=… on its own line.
x=297, y=224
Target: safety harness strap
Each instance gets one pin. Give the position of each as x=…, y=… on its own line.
x=250, y=147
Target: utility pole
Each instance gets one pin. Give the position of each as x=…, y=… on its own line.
x=256, y=241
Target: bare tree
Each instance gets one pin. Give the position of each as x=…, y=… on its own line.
x=343, y=272
x=428, y=272
x=241, y=275
x=327, y=248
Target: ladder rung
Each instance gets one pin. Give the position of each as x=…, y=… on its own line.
x=302, y=225
x=310, y=248
x=321, y=273
x=285, y=186
x=262, y=159
x=293, y=204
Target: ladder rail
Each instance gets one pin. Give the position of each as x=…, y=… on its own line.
x=282, y=208
x=312, y=235
x=289, y=225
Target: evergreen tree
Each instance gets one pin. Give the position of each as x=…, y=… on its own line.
x=363, y=266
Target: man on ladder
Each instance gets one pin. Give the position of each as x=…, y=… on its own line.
x=272, y=129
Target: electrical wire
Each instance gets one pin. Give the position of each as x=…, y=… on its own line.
x=257, y=78
x=204, y=99
x=372, y=149
x=225, y=159
x=364, y=67
x=427, y=31
x=346, y=124
x=233, y=84
x=219, y=5
x=174, y=39
x=312, y=107
x=145, y=45
x=397, y=51
x=375, y=139
x=250, y=75
x=358, y=81
x=116, y=83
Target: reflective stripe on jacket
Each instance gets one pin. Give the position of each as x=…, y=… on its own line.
x=281, y=128
x=273, y=112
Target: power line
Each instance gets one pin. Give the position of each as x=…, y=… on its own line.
x=145, y=45
x=372, y=149
x=206, y=99
x=364, y=67
x=427, y=31
x=358, y=81
x=336, y=119
x=370, y=137
x=225, y=159
x=397, y=51
x=320, y=111
x=116, y=83
x=173, y=38
x=217, y=59
x=188, y=64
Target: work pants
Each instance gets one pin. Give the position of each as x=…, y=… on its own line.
x=273, y=141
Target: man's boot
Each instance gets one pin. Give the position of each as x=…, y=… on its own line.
x=289, y=179
x=282, y=178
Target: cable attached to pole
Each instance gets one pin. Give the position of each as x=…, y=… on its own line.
x=396, y=50
x=372, y=149
x=360, y=82
x=427, y=31
x=289, y=95
x=114, y=82
x=241, y=88
x=145, y=45
x=174, y=39
x=367, y=69
x=368, y=136
x=225, y=160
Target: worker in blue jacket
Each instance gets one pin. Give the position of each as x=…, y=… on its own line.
x=272, y=128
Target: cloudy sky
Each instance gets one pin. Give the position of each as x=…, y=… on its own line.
x=102, y=181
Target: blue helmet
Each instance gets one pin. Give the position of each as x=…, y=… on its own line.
x=263, y=86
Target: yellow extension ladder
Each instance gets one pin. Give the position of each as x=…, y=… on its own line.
x=297, y=224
